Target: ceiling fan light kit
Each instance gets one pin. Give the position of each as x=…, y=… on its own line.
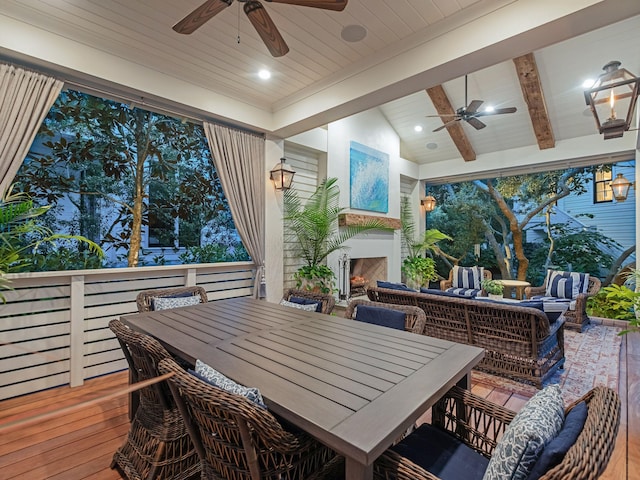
x=470, y=112
x=257, y=15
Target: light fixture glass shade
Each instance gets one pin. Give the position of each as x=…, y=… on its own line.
x=612, y=100
x=428, y=203
x=620, y=187
x=282, y=175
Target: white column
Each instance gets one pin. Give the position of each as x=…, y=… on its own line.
x=274, y=269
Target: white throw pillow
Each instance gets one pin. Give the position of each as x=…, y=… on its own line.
x=165, y=303
x=217, y=379
x=309, y=307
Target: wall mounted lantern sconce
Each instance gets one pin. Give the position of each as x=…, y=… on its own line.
x=282, y=175
x=620, y=187
x=428, y=203
x=615, y=89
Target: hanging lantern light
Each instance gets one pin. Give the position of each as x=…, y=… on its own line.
x=612, y=100
x=282, y=175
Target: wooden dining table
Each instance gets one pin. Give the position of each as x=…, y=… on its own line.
x=354, y=386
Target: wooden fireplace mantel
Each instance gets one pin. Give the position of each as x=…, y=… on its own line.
x=357, y=219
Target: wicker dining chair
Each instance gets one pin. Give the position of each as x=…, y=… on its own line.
x=415, y=318
x=144, y=300
x=158, y=444
x=237, y=439
x=326, y=299
x=477, y=423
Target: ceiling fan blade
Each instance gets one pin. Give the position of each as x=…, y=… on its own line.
x=450, y=122
x=442, y=115
x=337, y=5
x=475, y=123
x=265, y=27
x=499, y=111
x=201, y=15
x=474, y=106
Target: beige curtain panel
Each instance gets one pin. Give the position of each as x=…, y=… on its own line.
x=239, y=159
x=25, y=100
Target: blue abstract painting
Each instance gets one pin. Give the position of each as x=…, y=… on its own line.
x=369, y=178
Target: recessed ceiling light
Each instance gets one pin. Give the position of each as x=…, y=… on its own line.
x=417, y=128
x=432, y=145
x=264, y=74
x=353, y=33
x=489, y=108
x=588, y=83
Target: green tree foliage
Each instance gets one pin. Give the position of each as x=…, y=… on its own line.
x=497, y=212
x=105, y=154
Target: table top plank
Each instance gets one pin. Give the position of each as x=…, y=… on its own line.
x=325, y=367
x=358, y=343
x=346, y=358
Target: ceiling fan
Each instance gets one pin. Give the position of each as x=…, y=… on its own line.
x=470, y=113
x=258, y=17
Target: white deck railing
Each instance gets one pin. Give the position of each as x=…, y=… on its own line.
x=54, y=325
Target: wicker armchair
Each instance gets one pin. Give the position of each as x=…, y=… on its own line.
x=415, y=316
x=445, y=284
x=158, y=444
x=478, y=422
x=576, y=319
x=238, y=440
x=327, y=300
x=143, y=300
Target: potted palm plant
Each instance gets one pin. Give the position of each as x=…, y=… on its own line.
x=314, y=225
x=418, y=269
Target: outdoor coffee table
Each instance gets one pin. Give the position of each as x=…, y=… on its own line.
x=518, y=285
x=354, y=386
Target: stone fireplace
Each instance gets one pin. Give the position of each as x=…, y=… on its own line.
x=362, y=273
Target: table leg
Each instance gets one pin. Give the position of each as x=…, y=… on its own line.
x=357, y=471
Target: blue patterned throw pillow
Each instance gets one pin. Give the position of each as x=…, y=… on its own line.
x=165, y=303
x=309, y=307
x=562, y=284
x=535, y=425
x=217, y=379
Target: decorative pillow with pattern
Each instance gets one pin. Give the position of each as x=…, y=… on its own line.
x=467, y=277
x=217, y=379
x=164, y=303
x=309, y=307
x=535, y=425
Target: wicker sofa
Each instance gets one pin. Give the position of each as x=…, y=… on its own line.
x=519, y=341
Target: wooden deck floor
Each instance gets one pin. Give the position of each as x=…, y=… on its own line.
x=79, y=444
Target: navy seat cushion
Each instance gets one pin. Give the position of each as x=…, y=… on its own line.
x=442, y=293
x=394, y=286
x=306, y=301
x=442, y=454
x=381, y=316
x=557, y=448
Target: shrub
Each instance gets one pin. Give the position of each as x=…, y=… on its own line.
x=614, y=301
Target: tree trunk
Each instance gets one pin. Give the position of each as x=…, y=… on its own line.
x=142, y=140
